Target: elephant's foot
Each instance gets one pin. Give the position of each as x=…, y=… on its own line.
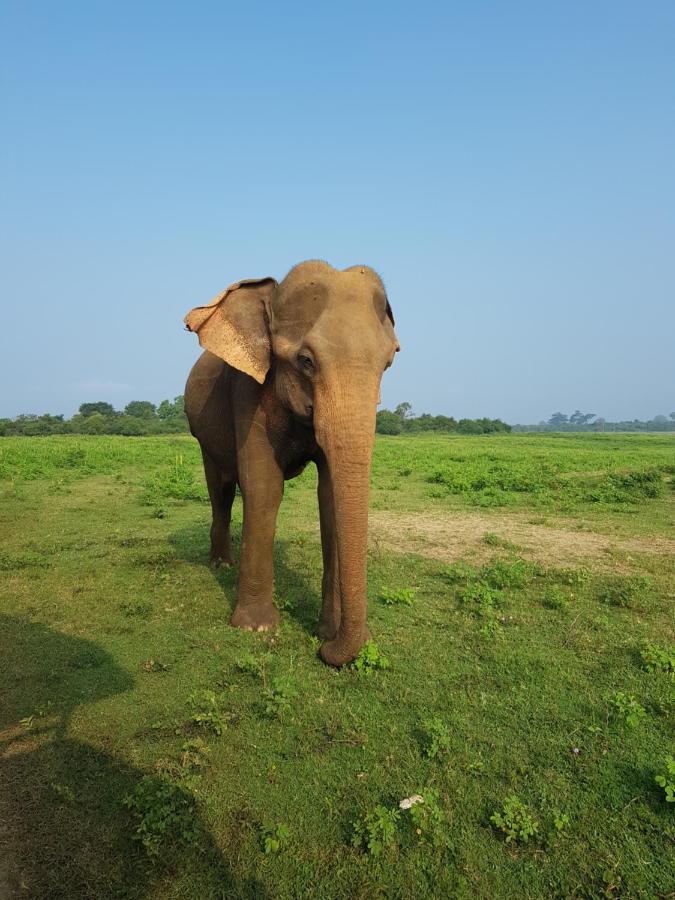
x=338, y=653
x=328, y=625
x=326, y=630
x=218, y=560
x=255, y=616
x=331, y=613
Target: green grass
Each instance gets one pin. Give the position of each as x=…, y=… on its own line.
x=149, y=750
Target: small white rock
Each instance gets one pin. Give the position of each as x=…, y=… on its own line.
x=407, y=802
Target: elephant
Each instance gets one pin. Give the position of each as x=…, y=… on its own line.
x=290, y=374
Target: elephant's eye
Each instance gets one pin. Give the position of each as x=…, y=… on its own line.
x=305, y=363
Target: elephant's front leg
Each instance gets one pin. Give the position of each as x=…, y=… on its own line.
x=329, y=621
x=255, y=609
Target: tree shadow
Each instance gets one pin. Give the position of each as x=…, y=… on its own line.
x=64, y=831
x=300, y=599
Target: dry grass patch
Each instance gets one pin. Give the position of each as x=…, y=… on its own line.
x=452, y=535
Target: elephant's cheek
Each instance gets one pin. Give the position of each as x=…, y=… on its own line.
x=300, y=401
x=292, y=395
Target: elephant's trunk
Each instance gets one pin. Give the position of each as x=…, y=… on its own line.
x=346, y=433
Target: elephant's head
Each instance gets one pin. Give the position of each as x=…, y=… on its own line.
x=325, y=336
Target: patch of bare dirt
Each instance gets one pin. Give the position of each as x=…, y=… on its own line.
x=449, y=536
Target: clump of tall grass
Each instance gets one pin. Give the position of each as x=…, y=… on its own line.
x=176, y=482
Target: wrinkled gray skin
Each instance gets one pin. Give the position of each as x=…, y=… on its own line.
x=292, y=374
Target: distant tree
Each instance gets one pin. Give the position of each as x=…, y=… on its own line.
x=660, y=419
x=94, y=424
x=165, y=409
x=130, y=425
x=444, y=423
x=469, y=426
x=88, y=409
x=387, y=422
x=579, y=418
x=558, y=419
x=168, y=410
x=140, y=409
x=403, y=410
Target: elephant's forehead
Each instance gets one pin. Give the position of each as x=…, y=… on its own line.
x=317, y=271
x=326, y=297
x=298, y=307
x=350, y=325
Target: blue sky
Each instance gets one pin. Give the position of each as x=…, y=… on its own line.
x=509, y=169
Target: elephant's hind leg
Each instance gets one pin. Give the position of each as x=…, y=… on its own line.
x=221, y=494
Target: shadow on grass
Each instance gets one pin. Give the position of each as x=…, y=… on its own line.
x=64, y=831
x=300, y=600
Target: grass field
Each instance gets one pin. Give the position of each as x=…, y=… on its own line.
x=521, y=590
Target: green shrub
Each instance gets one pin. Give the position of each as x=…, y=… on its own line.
x=513, y=572
x=561, y=821
x=397, y=596
x=369, y=659
x=165, y=814
x=515, y=820
x=628, y=708
x=554, y=598
x=626, y=487
x=436, y=736
x=481, y=598
x=207, y=712
x=428, y=822
x=275, y=838
x=667, y=781
x=460, y=572
x=249, y=665
x=656, y=659
x=279, y=696
x=376, y=830
x=625, y=592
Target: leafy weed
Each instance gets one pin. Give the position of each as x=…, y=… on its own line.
x=207, y=712
x=279, y=697
x=657, y=659
x=515, y=820
x=369, y=659
x=275, y=838
x=628, y=708
x=667, y=781
x=397, y=596
x=376, y=830
x=436, y=737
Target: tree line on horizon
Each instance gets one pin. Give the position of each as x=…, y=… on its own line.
x=140, y=417
x=402, y=421
x=578, y=421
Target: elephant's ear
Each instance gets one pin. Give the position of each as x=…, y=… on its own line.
x=234, y=326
